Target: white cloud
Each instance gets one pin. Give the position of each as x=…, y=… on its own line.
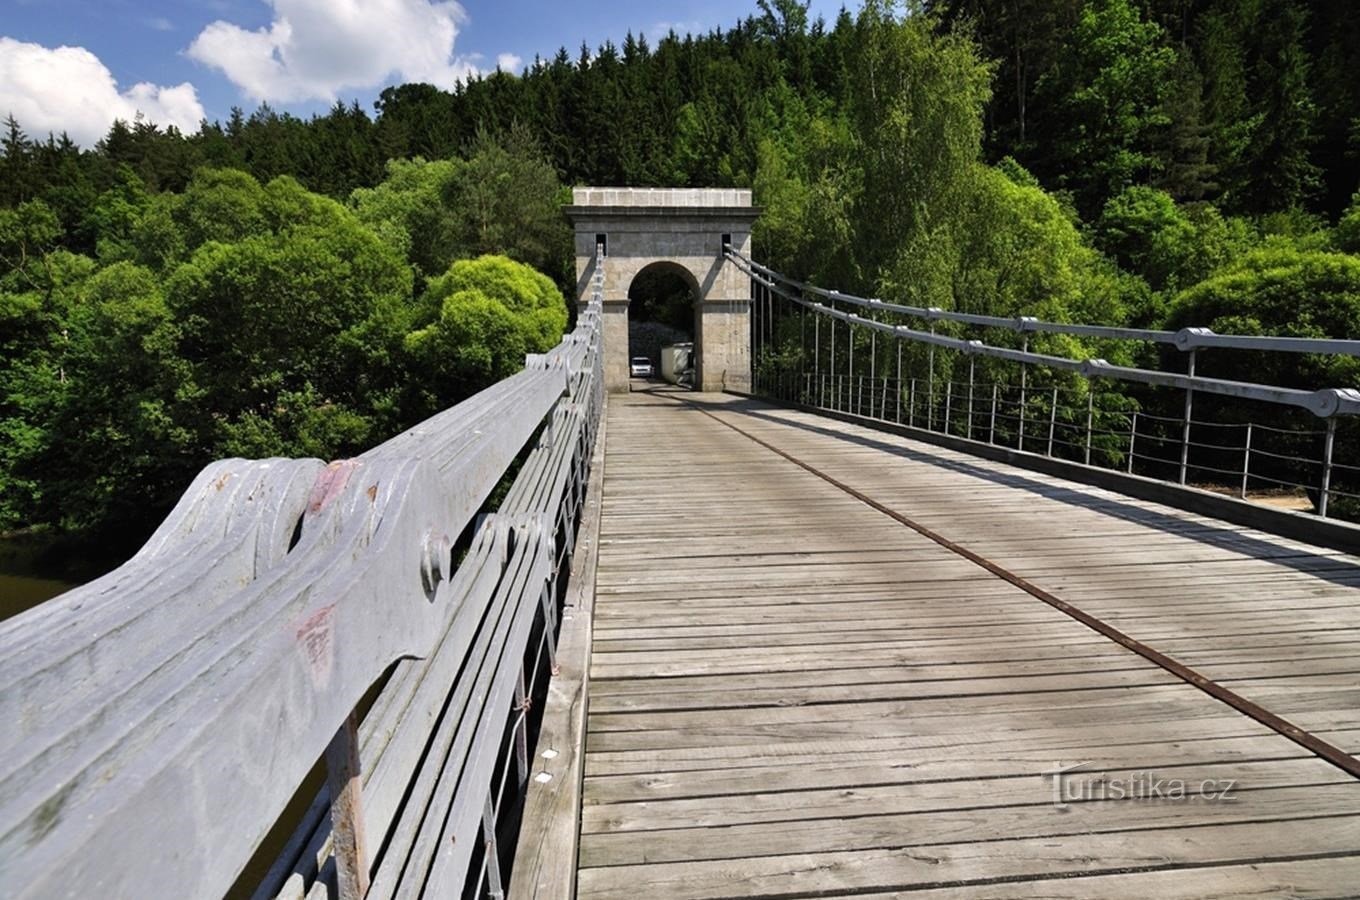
x=509, y=62
x=69, y=89
x=313, y=49
x=160, y=23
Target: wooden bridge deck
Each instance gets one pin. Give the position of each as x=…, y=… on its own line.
x=794, y=694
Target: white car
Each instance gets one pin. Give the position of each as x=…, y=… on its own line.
x=641, y=367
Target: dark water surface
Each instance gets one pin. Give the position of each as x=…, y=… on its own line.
x=21, y=592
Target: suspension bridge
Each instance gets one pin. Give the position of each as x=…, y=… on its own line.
x=901, y=601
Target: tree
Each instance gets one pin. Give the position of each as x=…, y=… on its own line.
x=1100, y=110
x=16, y=151
x=1025, y=37
x=1019, y=253
x=1277, y=170
x=507, y=198
x=477, y=322
x=808, y=189
x=1348, y=229
x=409, y=209
x=916, y=104
x=1182, y=146
x=113, y=442
x=292, y=299
x=785, y=23
x=114, y=215
x=1280, y=290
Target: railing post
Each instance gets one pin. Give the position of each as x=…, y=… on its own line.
x=802, y=338
x=1090, y=417
x=1052, y=420
x=492, y=860
x=832, y=340
x=1327, y=467
x=755, y=329
x=817, y=348
x=859, y=396
x=769, y=319
x=1185, y=427
x=972, y=363
x=899, y=381
x=347, y=810
x=850, y=329
x=911, y=409
x=948, y=402
x=1024, y=386
x=930, y=387
x=991, y=430
x=522, y=725
x=1133, y=436
x=1246, y=462
x=883, y=401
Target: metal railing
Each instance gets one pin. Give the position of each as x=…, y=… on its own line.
x=1186, y=339
x=1039, y=413
x=160, y=720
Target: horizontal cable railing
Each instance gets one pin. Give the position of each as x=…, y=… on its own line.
x=1186, y=339
x=161, y=719
x=831, y=359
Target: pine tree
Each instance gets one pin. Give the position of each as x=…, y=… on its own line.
x=16, y=178
x=1182, y=147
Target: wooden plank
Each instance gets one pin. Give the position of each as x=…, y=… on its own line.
x=792, y=693
x=1317, y=879
x=546, y=854
x=952, y=819
x=973, y=862
x=892, y=765
x=1027, y=784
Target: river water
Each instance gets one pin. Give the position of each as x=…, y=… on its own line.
x=20, y=592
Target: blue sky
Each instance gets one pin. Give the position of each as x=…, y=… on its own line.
x=75, y=64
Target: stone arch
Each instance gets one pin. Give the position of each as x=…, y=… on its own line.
x=684, y=229
x=677, y=274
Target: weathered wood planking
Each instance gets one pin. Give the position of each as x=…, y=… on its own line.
x=792, y=694
x=545, y=858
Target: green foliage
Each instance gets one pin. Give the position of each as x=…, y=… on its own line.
x=276, y=313
x=112, y=448
x=1348, y=229
x=1101, y=108
x=1172, y=247
x=507, y=198
x=807, y=192
x=916, y=108
x=408, y=209
x=232, y=318
x=1020, y=254
x=1276, y=168
x=28, y=234
x=477, y=322
x=1286, y=291
x=504, y=198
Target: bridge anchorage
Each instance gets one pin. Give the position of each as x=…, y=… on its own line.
x=685, y=231
x=903, y=607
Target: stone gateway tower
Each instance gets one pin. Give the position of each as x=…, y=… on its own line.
x=684, y=231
